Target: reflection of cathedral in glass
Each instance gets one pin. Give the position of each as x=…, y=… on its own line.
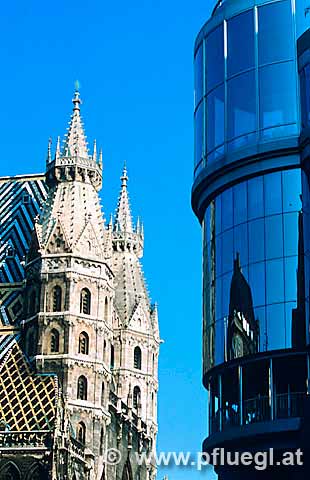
x=243, y=329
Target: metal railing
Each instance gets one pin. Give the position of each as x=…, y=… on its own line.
x=258, y=409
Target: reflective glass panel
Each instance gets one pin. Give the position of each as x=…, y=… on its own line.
x=273, y=20
x=220, y=341
x=291, y=181
x=274, y=281
x=305, y=96
x=215, y=58
x=218, y=255
x=227, y=251
x=256, y=197
x=274, y=236
x=240, y=203
x=257, y=283
x=290, y=234
x=276, y=326
x=226, y=282
x=198, y=133
x=273, y=193
x=256, y=240
x=199, y=75
x=241, y=105
x=218, y=305
x=215, y=118
x=240, y=34
x=241, y=243
x=277, y=95
x=290, y=269
x=227, y=210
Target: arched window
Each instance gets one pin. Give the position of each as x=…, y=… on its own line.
x=10, y=472
x=54, y=345
x=81, y=433
x=137, y=358
x=83, y=343
x=106, y=309
x=112, y=357
x=57, y=298
x=102, y=394
x=85, y=301
x=136, y=397
x=82, y=388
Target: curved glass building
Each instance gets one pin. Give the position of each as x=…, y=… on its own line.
x=251, y=195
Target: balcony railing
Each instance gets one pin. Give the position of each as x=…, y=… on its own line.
x=25, y=440
x=258, y=409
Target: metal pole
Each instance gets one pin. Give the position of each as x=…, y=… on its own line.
x=240, y=378
x=271, y=390
x=308, y=374
x=210, y=407
x=221, y=402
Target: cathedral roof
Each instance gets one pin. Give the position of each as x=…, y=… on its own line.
x=28, y=401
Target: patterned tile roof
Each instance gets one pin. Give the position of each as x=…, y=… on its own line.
x=28, y=401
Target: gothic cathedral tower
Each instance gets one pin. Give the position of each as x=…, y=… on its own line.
x=88, y=316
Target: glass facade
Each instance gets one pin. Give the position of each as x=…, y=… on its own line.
x=246, y=96
x=253, y=257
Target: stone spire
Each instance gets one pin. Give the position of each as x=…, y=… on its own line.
x=75, y=141
x=123, y=218
x=73, y=211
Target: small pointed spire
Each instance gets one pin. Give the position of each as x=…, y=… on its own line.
x=49, y=152
x=100, y=159
x=111, y=222
x=95, y=151
x=138, y=227
x=129, y=397
x=123, y=218
x=57, y=154
x=75, y=140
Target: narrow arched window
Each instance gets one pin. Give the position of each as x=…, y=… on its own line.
x=112, y=357
x=81, y=433
x=137, y=358
x=82, y=388
x=104, y=350
x=54, y=344
x=102, y=394
x=83, y=343
x=153, y=364
x=106, y=309
x=101, y=442
x=85, y=301
x=136, y=397
x=57, y=298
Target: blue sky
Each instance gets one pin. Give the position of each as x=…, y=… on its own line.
x=134, y=64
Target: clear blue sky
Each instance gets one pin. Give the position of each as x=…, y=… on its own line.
x=134, y=64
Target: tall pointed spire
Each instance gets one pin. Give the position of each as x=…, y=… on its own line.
x=123, y=218
x=75, y=141
x=57, y=154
